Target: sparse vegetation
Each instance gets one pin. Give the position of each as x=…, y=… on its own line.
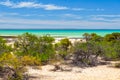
x=63, y=47
x=31, y=50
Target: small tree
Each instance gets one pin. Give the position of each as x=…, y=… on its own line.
x=87, y=53
x=63, y=47
x=40, y=47
x=112, y=37
x=26, y=44
x=96, y=38
x=87, y=36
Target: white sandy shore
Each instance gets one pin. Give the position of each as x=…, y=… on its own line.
x=10, y=41
x=94, y=73
x=73, y=40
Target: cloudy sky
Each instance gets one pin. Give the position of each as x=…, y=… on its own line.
x=60, y=14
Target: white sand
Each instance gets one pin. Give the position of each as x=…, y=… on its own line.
x=73, y=40
x=94, y=73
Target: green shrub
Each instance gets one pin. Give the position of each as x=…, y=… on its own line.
x=39, y=47
x=112, y=37
x=63, y=47
x=87, y=53
x=12, y=65
x=111, y=50
x=29, y=60
x=9, y=59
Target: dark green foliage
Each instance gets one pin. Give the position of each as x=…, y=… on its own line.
x=112, y=37
x=112, y=50
x=92, y=48
x=26, y=44
x=40, y=47
x=87, y=53
x=87, y=36
x=92, y=37
x=96, y=38
x=65, y=43
x=110, y=44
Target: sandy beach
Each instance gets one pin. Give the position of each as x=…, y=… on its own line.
x=101, y=72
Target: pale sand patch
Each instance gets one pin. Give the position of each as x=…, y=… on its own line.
x=94, y=73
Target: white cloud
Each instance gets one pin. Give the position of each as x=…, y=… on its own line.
x=60, y=23
x=6, y=3
x=8, y=14
x=78, y=9
x=108, y=18
x=85, y=9
x=44, y=6
x=73, y=16
x=100, y=18
x=107, y=15
x=32, y=5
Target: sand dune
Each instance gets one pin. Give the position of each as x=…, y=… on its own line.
x=102, y=72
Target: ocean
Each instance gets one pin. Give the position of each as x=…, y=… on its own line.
x=70, y=33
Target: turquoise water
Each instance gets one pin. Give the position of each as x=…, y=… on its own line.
x=57, y=32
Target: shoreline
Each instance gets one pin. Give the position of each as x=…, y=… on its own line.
x=11, y=39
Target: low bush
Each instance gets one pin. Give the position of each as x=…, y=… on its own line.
x=32, y=45
x=12, y=68
x=63, y=47
x=86, y=54
x=29, y=61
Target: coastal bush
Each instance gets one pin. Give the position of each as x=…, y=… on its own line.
x=87, y=36
x=26, y=44
x=112, y=37
x=92, y=37
x=95, y=37
x=12, y=68
x=46, y=48
x=29, y=61
x=111, y=50
x=32, y=45
x=110, y=44
x=87, y=53
x=62, y=47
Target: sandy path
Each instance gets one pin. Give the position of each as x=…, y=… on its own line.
x=95, y=73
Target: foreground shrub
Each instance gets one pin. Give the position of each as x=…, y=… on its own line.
x=29, y=61
x=39, y=47
x=86, y=53
x=12, y=68
x=63, y=47
x=112, y=37
x=111, y=50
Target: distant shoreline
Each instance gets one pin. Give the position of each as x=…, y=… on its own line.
x=56, y=33
x=58, y=29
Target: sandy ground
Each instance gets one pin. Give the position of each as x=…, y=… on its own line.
x=103, y=72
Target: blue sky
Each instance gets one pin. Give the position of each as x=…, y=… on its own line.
x=42, y=14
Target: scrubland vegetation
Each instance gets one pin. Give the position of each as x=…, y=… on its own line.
x=31, y=50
